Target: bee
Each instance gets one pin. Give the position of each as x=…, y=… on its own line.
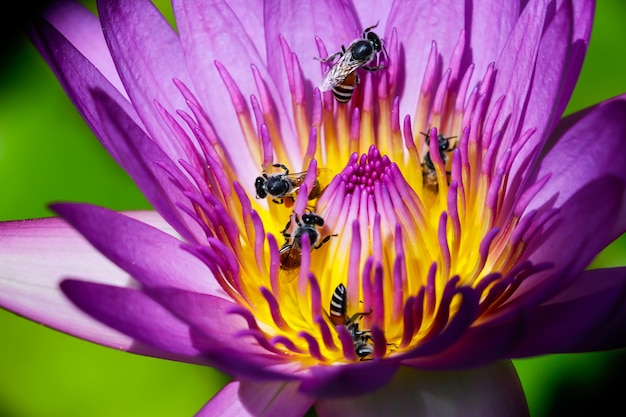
x=284, y=186
x=341, y=78
x=428, y=167
x=362, y=339
x=291, y=251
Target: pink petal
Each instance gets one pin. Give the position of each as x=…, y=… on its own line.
x=559, y=60
x=580, y=230
x=300, y=22
x=348, y=380
x=38, y=254
x=82, y=29
x=148, y=56
x=210, y=32
x=78, y=77
x=257, y=399
x=154, y=258
x=141, y=156
x=492, y=391
x=418, y=27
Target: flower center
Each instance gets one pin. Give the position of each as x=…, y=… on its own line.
x=362, y=173
x=398, y=238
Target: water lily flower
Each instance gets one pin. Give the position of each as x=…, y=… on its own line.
x=389, y=254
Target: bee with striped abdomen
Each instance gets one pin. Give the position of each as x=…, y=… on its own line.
x=342, y=78
x=362, y=339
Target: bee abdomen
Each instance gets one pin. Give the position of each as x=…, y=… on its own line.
x=343, y=93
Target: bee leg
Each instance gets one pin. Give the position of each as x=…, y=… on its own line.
x=369, y=29
x=326, y=239
x=376, y=68
x=284, y=231
x=283, y=167
x=332, y=57
x=278, y=201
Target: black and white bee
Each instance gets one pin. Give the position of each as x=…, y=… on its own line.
x=291, y=251
x=362, y=339
x=283, y=187
x=429, y=174
x=342, y=78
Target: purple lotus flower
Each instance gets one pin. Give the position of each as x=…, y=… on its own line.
x=405, y=244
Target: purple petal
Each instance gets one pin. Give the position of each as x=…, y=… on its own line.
x=37, y=254
x=583, y=19
x=78, y=77
x=82, y=29
x=488, y=27
x=580, y=230
x=418, y=27
x=202, y=312
x=152, y=257
x=586, y=146
x=492, y=391
x=300, y=22
x=139, y=155
x=369, y=12
x=133, y=313
x=209, y=32
x=589, y=315
x=516, y=66
x=257, y=399
x=148, y=56
x=214, y=319
x=348, y=380
x=559, y=61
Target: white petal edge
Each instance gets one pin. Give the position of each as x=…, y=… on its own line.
x=37, y=254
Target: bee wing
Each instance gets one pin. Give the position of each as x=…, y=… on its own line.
x=324, y=177
x=296, y=179
x=344, y=66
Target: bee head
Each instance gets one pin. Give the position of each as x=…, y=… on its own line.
x=375, y=41
x=260, y=187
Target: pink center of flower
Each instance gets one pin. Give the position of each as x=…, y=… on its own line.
x=362, y=174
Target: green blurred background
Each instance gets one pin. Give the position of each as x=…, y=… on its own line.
x=48, y=154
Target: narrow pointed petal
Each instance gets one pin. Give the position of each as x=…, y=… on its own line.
x=82, y=29
x=148, y=56
x=210, y=32
x=444, y=20
x=154, y=258
x=134, y=313
x=559, y=57
x=38, y=254
x=586, y=223
x=78, y=77
x=492, y=391
x=236, y=355
x=579, y=142
x=141, y=157
x=257, y=399
x=332, y=21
